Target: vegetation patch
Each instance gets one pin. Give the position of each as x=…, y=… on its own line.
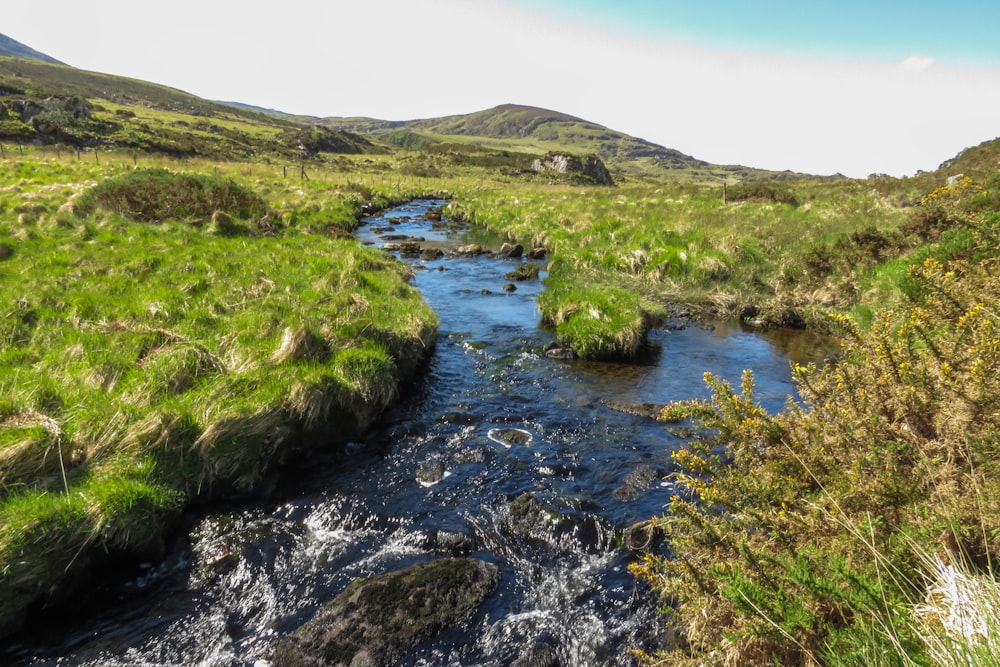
x=820, y=535
x=145, y=366
x=156, y=195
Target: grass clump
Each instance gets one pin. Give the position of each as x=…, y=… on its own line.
x=156, y=195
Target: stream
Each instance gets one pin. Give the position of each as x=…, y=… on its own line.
x=493, y=418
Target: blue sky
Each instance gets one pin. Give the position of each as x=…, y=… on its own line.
x=818, y=87
x=959, y=31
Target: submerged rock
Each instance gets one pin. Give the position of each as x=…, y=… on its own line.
x=543, y=652
x=635, y=482
x=554, y=351
x=542, y=525
x=449, y=543
x=375, y=621
x=431, y=472
x=644, y=410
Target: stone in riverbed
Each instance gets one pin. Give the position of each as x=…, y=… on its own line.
x=644, y=410
x=409, y=249
x=636, y=482
x=642, y=536
x=470, y=250
x=375, y=621
x=431, y=473
x=511, y=250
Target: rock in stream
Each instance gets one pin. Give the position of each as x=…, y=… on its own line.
x=375, y=621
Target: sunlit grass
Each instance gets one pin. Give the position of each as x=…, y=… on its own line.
x=146, y=364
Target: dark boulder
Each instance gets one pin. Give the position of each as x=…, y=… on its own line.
x=544, y=526
x=375, y=621
x=511, y=251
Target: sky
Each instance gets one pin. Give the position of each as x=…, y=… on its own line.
x=820, y=87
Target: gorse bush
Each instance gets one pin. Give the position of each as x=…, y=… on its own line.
x=156, y=195
x=802, y=538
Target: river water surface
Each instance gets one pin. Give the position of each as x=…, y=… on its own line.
x=492, y=419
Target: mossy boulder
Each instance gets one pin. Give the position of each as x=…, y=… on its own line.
x=375, y=621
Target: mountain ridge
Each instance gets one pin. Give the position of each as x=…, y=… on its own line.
x=539, y=130
x=11, y=47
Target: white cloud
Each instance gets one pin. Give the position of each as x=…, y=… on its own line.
x=917, y=64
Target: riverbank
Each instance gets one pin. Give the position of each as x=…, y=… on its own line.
x=769, y=254
x=151, y=361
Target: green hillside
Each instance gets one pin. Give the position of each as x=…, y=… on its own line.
x=538, y=131
x=48, y=104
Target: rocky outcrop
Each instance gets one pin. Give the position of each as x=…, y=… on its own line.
x=589, y=169
x=375, y=621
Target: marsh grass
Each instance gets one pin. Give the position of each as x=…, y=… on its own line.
x=682, y=246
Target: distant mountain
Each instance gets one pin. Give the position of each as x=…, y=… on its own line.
x=12, y=47
x=532, y=129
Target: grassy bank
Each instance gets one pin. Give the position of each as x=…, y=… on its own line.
x=622, y=258
x=159, y=347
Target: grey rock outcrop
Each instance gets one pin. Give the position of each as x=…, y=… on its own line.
x=590, y=169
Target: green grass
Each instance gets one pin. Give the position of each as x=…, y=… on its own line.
x=145, y=365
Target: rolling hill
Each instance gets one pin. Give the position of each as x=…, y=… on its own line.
x=48, y=103
x=539, y=131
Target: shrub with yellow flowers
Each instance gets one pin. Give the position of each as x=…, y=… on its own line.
x=801, y=536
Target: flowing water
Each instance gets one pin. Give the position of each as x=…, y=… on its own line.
x=492, y=419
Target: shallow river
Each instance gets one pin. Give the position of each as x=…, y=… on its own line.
x=439, y=476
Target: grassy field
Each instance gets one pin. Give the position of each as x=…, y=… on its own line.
x=161, y=346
